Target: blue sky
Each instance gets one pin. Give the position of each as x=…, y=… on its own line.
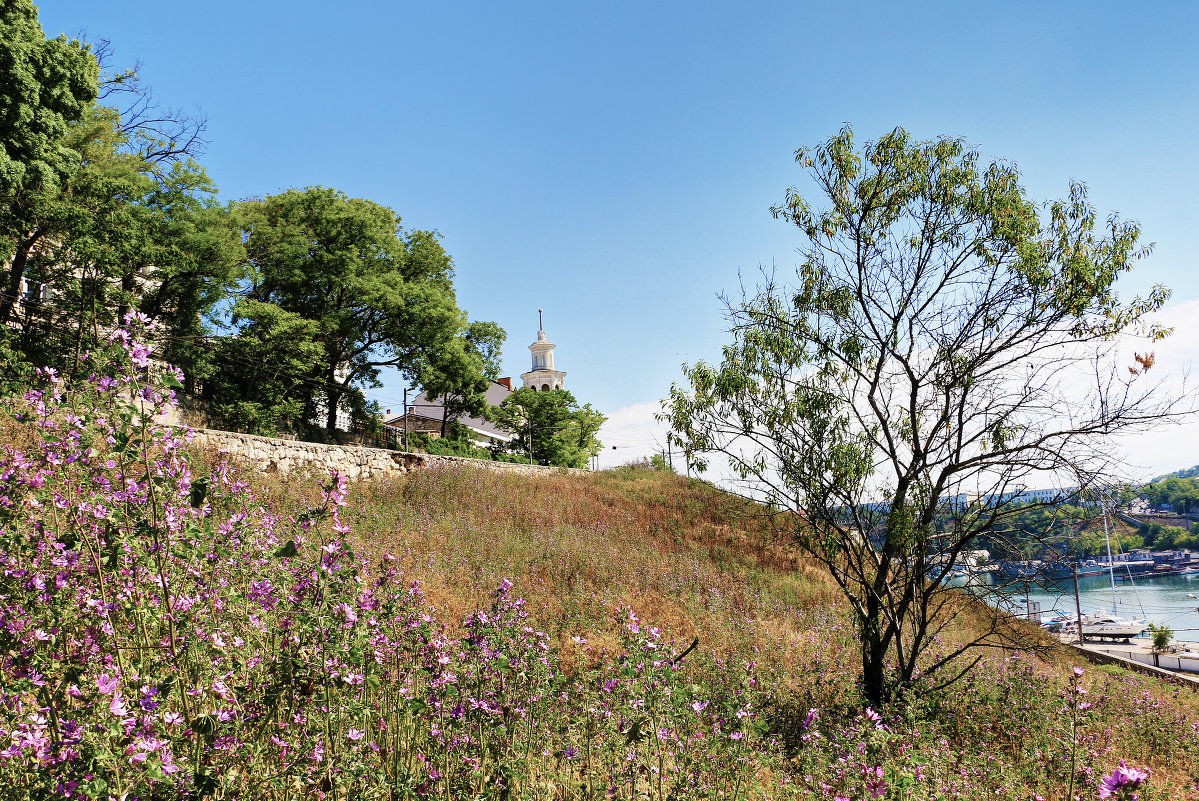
x=614, y=163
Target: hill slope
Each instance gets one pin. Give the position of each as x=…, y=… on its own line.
x=172, y=627
x=696, y=562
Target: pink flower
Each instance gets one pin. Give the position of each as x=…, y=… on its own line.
x=1078, y=671
x=1122, y=781
x=107, y=684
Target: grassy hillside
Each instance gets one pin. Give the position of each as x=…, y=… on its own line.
x=696, y=562
x=171, y=627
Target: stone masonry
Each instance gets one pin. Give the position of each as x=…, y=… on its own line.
x=272, y=455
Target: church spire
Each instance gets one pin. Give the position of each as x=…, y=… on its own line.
x=542, y=375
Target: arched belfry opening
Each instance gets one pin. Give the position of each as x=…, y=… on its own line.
x=542, y=374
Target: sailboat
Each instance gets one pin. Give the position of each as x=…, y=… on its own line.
x=1111, y=626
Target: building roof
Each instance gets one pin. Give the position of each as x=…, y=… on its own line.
x=433, y=409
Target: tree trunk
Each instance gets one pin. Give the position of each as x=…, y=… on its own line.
x=128, y=284
x=874, y=655
x=16, y=272
x=332, y=400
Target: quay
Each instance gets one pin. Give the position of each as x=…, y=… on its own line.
x=1179, y=661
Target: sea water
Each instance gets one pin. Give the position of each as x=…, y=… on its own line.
x=1162, y=600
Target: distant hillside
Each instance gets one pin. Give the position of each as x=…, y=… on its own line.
x=1189, y=472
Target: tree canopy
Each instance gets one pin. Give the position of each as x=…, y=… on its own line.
x=118, y=232
x=551, y=426
x=278, y=310
x=946, y=339
x=48, y=84
x=378, y=295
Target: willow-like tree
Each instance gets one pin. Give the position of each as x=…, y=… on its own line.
x=946, y=342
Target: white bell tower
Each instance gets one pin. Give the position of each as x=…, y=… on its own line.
x=542, y=377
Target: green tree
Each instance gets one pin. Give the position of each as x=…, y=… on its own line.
x=551, y=425
x=122, y=232
x=1161, y=636
x=261, y=386
x=45, y=85
x=378, y=295
x=458, y=374
x=931, y=346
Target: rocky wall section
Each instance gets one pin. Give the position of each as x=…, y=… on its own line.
x=272, y=455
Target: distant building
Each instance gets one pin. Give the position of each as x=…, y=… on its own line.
x=425, y=415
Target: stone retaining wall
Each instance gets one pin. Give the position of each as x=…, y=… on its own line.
x=273, y=455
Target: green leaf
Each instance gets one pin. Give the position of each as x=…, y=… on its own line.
x=288, y=550
x=199, y=492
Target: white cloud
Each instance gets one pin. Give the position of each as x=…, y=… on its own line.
x=637, y=435
x=631, y=434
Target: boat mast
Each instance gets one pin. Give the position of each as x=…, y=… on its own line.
x=1111, y=566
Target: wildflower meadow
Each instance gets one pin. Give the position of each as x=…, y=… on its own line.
x=172, y=628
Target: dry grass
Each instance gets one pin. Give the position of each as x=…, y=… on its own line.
x=687, y=557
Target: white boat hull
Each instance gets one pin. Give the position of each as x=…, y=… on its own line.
x=1107, y=628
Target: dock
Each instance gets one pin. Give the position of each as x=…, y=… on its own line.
x=1180, y=660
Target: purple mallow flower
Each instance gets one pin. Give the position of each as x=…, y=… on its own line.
x=1123, y=782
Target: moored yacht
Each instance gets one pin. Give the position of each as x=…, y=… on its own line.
x=1105, y=626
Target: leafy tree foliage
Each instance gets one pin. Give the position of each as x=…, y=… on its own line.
x=275, y=309
x=1182, y=494
x=551, y=425
x=47, y=84
x=121, y=232
x=378, y=296
x=458, y=374
x=930, y=349
x=260, y=387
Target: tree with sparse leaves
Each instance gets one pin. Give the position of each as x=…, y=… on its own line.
x=946, y=342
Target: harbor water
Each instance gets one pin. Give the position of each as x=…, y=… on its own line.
x=1162, y=600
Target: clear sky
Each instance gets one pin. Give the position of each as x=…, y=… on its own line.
x=614, y=163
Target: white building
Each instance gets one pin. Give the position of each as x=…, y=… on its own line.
x=543, y=377
x=425, y=416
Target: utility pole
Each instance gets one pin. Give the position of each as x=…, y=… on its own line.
x=669, y=455
x=405, y=418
